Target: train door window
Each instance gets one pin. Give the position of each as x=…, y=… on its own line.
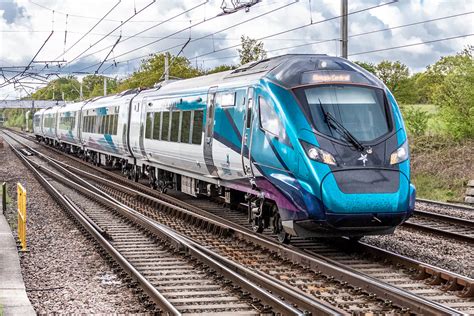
x=156, y=125
x=249, y=107
x=111, y=123
x=175, y=116
x=115, y=124
x=149, y=125
x=226, y=99
x=197, y=127
x=165, y=126
x=185, y=127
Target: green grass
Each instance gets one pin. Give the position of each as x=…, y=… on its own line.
x=431, y=187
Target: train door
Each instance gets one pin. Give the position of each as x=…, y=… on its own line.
x=247, y=134
x=209, y=132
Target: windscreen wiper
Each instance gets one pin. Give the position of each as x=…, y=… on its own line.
x=338, y=127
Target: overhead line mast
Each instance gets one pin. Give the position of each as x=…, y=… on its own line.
x=344, y=32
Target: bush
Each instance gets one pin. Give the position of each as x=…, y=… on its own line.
x=416, y=120
x=455, y=98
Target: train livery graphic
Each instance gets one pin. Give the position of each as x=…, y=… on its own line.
x=313, y=145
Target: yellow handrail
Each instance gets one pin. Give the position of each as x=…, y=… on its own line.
x=21, y=196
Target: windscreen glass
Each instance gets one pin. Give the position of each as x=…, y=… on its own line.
x=361, y=110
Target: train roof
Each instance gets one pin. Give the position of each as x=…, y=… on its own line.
x=287, y=70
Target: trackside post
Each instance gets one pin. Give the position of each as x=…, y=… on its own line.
x=21, y=197
x=4, y=197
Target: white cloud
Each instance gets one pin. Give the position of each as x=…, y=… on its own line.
x=29, y=24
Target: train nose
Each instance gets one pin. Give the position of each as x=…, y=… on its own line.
x=371, y=193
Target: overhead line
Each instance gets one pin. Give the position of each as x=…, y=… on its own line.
x=105, y=36
x=29, y=64
x=90, y=30
x=300, y=27
x=152, y=27
x=184, y=29
x=410, y=45
x=354, y=35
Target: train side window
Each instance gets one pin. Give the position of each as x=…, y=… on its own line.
x=165, y=126
x=197, y=127
x=93, y=124
x=156, y=125
x=185, y=127
x=175, y=126
x=149, y=125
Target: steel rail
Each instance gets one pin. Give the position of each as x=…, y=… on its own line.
x=446, y=204
x=381, y=289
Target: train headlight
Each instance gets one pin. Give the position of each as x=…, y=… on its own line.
x=400, y=155
x=318, y=154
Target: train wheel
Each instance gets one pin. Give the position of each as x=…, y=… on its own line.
x=278, y=229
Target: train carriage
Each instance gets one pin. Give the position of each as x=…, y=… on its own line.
x=104, y=126
x=38, y=124
x=49, y=125
x=68, y=125
x=314, y=145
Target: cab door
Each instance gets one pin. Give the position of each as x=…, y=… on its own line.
x=209, y=132
x=246, y=152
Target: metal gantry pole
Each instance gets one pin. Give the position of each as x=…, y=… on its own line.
x=344, y=38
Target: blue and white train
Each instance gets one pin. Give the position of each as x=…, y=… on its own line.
x=314, y=145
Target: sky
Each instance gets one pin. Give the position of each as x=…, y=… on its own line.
x=80, y=42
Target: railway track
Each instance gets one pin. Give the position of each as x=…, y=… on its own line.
x=392, y=284
x=449, y=226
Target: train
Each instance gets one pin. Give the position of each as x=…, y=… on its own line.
x=309, y=145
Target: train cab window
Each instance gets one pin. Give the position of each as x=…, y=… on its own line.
x=197, y=127
x=156, y=125
x=185, y=127
x=175, y=117
x=165, y=126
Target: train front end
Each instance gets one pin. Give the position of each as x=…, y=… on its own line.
x=354, y=166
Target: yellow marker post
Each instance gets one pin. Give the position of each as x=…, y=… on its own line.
x=21, y=196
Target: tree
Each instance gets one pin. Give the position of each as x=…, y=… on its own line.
x=93, y=86
x=252, y=50
x=55, y=89
x=370, y=67
x=220, y=68
x=392, y=74
x=455, y=98
x=152, y=71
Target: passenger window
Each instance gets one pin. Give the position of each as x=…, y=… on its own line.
x=115, y=124
x=148, y=125
x=185, y=126
x=175, y=126
x=156, y=125
x=197, y=127
x=165, y=126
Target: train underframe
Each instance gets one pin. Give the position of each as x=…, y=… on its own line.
x=261, y=213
